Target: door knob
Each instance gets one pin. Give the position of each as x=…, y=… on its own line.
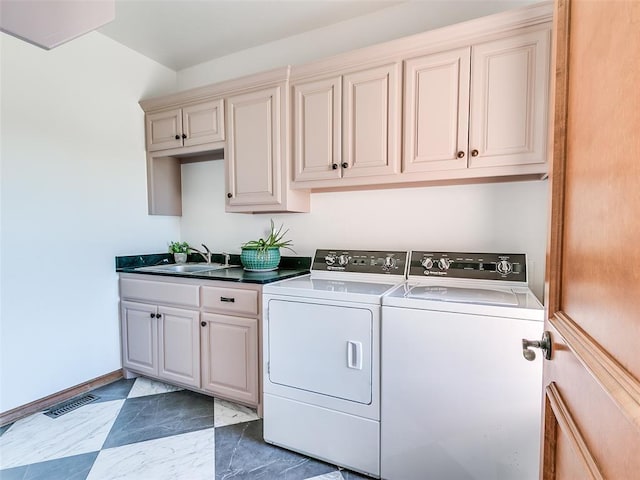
x=544, y=344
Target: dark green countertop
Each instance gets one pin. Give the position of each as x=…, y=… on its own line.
x=289, y=267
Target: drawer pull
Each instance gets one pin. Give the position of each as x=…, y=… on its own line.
x=228, y=299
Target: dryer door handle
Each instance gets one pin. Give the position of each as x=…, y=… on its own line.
x=354, y=354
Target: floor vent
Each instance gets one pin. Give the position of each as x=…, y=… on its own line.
x=70, y=405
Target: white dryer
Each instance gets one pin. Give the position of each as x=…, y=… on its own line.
x=321, y=354
x=458, y=399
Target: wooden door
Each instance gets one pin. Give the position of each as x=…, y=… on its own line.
x=592, y=387
x=436, y=111
x=230, y=357
x=317, y=133
x=371, y=122
x=509, y=98
x=179, y=345
x=254, y=153
x=203, y=123
x=139, y=337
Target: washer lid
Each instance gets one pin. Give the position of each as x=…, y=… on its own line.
x=463, y=295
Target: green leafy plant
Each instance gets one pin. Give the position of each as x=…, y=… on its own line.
x=275, y=239
x=179, y=247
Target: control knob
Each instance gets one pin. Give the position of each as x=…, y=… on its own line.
x=389, y=263
x=504, y=267
x=427, y=263
x=330, y=259
x=444, y=263
x=343, y=260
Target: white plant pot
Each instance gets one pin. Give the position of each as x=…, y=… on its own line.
x=180, y=257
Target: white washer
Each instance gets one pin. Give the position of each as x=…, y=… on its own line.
x=458, y=400
x=321, y=354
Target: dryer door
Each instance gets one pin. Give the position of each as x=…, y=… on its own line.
x=324, y=349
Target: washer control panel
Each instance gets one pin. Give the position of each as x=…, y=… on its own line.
x=484, y=266
x=361, y=261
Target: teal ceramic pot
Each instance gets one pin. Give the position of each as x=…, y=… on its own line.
x=255, y=260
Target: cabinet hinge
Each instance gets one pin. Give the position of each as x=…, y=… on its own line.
x=268, y=367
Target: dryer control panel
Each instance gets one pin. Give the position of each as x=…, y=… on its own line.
x=482, y=266
x=360, y=261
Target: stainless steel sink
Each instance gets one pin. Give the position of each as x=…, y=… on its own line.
x=185, y=268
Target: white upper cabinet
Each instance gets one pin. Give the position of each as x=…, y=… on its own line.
x=436, y=111
x=371, y=128
x=254, y=148
x=346, y=126
x=203, y=123
x=191, y=125
x=459, y=104
x=257, y=153
x=317, y=129
x=164, y=130
x=483, y=106
x=509, y=97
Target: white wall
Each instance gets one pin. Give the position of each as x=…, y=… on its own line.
x=502, y=217
x=383, y=25
x=73, y=196
x=494, y=217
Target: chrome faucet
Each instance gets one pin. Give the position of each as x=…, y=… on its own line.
x=226, y=258
x=206, y=256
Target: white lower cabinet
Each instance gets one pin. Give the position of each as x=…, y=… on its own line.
x=139, y=337
x=179, y=345
x=161, y=341
x=230, y=356
x=210, y=346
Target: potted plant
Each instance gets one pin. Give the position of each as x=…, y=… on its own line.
x=263, y=255
x=179, y=250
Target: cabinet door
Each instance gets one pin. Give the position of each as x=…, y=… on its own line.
x=509, y=90
x=162, y=129
x=230, y=357
x=203, y=123
x=253, y=159
x=436, y=111
x=139, y=337
x=179, y=345
x=317, y=134
x=371, y=128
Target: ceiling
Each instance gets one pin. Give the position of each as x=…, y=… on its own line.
x=183, y=33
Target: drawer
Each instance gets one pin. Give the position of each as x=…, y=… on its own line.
x=160, y=292
x=231, y=300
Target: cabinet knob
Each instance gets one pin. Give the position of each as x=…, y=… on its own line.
x=229, y=195
x=345, y=165
x=460, y=154
x=184, y=135
x=334, y=166
x=474, y=153
x=177, y=137
x=204, y=324
x=153, y=315
x=158, y=315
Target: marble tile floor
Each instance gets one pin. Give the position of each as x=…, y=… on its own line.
x=141, y=429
